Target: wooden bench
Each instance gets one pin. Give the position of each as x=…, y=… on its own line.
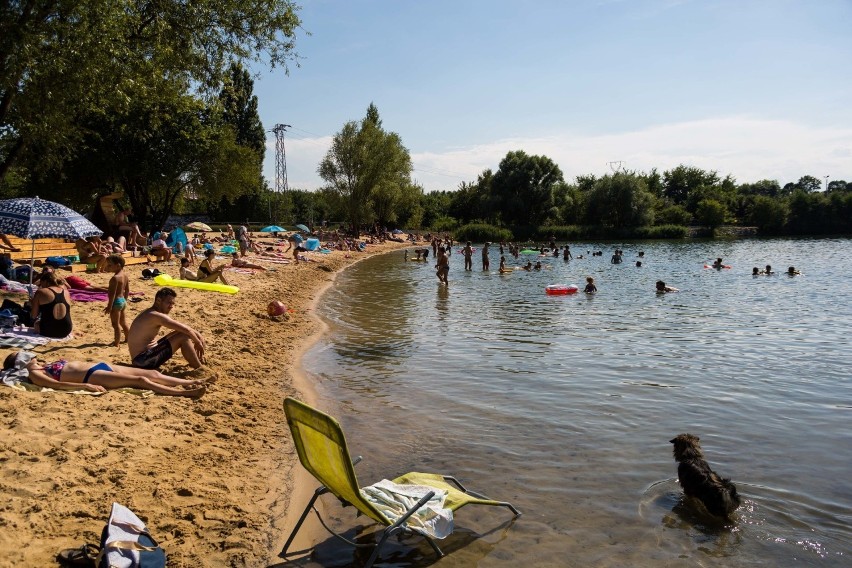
x=40, y=250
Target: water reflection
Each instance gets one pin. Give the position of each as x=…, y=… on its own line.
x=565, y=405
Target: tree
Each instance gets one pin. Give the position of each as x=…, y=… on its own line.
x=710, y=213
x=767, y=214
x=64, y=58
x=809, y=184
x=239, y=109
x=367, y=167
x=681, y=181
x=620, y=200
x=673, y=215
x=524, y=186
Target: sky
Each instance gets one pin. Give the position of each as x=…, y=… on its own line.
x=755, y=89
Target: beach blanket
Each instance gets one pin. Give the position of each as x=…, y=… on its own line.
x=90, y=296
x=22, y=339
x=393, y=500
x=273, y=260
x=18, y=378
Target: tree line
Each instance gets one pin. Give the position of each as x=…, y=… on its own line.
x=153, y=100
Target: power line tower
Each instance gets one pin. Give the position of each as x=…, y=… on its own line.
x=280, y=162
x=616, y=166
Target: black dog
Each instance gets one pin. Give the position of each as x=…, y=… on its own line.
x=698, y=480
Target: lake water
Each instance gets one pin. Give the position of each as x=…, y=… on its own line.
x=565, y=405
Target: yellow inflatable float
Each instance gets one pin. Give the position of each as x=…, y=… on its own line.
x=166, y=280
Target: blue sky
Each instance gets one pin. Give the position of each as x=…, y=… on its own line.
x=755, y=89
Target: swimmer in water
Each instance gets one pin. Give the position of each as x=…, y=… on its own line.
x=537, y=265
x=638, y=264
x=792, y=271
x=590, y=285
x=768, y=270
x=755, y=271
x=662, y=288
x=718, y=263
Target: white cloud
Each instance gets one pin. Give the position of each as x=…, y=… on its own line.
x=747, y=148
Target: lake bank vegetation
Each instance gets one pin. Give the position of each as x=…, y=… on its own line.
x=154, y=103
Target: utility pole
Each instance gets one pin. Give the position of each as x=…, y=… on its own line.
x=616, y=166
x=826, y=183
x=280, y=165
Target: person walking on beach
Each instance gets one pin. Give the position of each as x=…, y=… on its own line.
x=467, y=251
x=485, y=262
x=119, y=291
x=147, y=351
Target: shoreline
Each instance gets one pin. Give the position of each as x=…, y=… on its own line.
x=212, y=478
x=302, y=483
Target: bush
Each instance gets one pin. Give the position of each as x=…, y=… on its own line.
x=481, y=232
x=661, y=232
x=444, y=224
x=673, y=215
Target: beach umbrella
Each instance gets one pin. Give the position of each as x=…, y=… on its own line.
x=303, y=228
x=273, y=229
x=33, y=218
x=198, y=226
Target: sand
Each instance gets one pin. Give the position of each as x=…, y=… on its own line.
x=213, y=477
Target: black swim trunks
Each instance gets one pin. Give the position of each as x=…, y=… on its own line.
x=154, y=357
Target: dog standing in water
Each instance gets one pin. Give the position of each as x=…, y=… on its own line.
x=718, y=495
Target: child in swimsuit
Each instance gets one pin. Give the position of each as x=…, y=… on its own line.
x=119, y=290
x=590, y=285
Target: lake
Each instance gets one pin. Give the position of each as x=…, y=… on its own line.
x=565, y=405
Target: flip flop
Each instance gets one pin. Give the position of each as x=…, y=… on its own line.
x=83, y=556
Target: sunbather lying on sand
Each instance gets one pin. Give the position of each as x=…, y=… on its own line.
x=100, y=377
x=238, y=262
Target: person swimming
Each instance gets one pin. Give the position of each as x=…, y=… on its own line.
x=590, y=286
x=718, y=263
x=755, y=271
x=792, y=271
x=662, y=288
x=768, y=270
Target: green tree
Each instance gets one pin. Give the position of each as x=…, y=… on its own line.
x=673, y=215
x=368, y=168
x=524, y=186
x=239, y=109
x=710, y=213
x=62, y=59
x=683, y=180
x=620, y=200
x=767, y=214
x=809, y=184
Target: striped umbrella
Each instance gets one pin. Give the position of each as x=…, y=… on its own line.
x=33, y=218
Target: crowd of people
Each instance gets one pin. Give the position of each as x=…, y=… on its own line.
x=442, y=249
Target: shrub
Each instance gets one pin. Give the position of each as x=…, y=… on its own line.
x=661, y=232
x=481, y=232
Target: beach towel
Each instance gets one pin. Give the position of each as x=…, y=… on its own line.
x=90, y=296
x=22, y=339
x=393, y=500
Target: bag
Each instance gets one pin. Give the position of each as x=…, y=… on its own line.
x=126, y=543
x=56, y=261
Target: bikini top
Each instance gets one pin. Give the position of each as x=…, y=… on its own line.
x=55, y=369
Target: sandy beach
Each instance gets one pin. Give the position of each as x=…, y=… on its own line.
x=212, y=477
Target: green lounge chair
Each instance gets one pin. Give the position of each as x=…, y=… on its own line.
x=322, y=450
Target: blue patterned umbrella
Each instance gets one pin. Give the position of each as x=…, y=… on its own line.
x=34, y=218
x=273, y=229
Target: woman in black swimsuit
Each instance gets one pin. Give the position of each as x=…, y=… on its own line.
x=207, y=272
x=50, y=309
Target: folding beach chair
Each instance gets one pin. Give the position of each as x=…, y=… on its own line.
x=322, y=450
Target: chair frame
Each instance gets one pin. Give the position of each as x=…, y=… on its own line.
x=392, y=527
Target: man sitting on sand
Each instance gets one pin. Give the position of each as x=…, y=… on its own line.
x=147, y=351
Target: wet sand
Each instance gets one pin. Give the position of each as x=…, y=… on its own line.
x=212, y=478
